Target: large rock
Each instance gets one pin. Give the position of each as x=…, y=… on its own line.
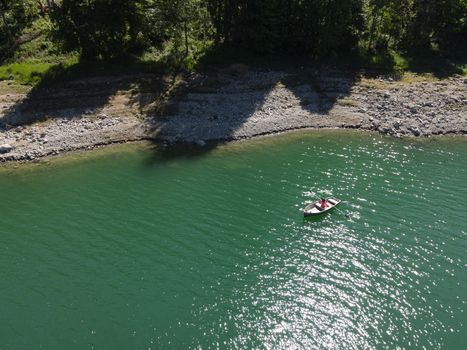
x=5, y=148
x=415, y=130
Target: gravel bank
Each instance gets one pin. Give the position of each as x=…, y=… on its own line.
x=230, y=104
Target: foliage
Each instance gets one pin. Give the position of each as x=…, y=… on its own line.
x=106, y=29
x=396, y=34
x=181, y=27
x=15, y=16
x=415, y=25
x=304, y=26
x=99, y=28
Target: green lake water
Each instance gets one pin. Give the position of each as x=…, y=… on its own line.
x=129, y=248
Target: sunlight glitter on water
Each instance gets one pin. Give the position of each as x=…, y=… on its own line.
x=212, y=250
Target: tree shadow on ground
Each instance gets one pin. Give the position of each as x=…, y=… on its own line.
x=439, y=64
x=205, y=109
x=84, y=89
x=220, y=102
x=194, y=115
x=428, y=61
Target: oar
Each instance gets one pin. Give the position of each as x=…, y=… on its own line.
x=347, y=215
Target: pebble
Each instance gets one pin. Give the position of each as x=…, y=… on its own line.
x=245, y=112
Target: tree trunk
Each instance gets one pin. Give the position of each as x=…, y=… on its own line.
x=185, y=28
x=218, y=19
x=374, y=21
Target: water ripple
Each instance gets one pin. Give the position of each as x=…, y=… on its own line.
x=213, y=251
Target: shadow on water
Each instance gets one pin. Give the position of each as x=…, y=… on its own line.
x=317, y=218
x=161, y=154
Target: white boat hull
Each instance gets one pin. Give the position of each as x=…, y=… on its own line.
x=315, y=208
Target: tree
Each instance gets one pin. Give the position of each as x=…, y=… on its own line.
x=388, y=22
x=15, y=16
x=413, y=25
x=99, y=28
x=317, y=27
x=437, y=22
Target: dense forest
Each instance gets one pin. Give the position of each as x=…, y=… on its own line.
x=185, y=29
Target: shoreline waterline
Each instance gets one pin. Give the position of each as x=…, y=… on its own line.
x=217, y=108
x=161, y=146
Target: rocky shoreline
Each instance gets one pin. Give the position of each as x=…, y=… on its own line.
x=229, y=104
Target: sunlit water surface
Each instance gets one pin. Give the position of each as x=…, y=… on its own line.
x=133, y=249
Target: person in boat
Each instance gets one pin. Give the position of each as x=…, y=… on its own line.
x=323, y=203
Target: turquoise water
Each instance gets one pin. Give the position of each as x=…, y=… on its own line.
x=129, y=248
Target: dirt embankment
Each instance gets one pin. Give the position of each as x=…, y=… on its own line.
x=228, y=104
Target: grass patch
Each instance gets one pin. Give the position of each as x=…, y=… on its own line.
x=24, y=73
x=347, y=102
x=40, y=61
x=385, y=63
x=427, y=65
x=436, y=63
x=32, y=72
x=83, y=69
x=411, y=77
x=374, y=83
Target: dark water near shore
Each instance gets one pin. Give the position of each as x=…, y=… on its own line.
x=131, y=249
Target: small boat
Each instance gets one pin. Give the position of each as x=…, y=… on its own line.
x=314, y=208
